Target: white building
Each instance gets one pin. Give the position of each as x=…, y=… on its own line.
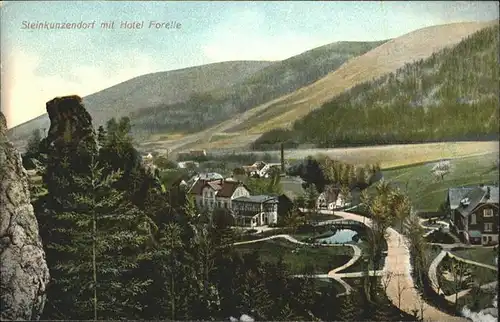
x=255, y=211
x=264, y=172
x=211, y=194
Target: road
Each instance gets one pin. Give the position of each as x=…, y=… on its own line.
x=433, y=271
x=402, y=289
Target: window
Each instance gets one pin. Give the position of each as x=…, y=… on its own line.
x=488, y=212
x=488, y=226
x=473, y=219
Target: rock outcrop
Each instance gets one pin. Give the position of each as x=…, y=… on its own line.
x=24, y=271
x=70, y=125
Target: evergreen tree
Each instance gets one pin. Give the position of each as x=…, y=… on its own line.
x=311, y=196
x=101, y=136
x=33, y=146
x=347, y=310
x=167, y=258
x=101, y=240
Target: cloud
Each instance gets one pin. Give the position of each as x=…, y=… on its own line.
x=25, y=92
x=244, y=37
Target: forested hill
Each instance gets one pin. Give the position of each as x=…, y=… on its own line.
x=203, y=110
x=452, y=95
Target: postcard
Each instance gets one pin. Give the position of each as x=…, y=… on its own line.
x=249, y=160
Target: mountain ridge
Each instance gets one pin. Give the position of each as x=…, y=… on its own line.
x=282, y=77
x=255, y=122
x=450, y=96
x=121, y=92
x=169, y=85
x=353, y=72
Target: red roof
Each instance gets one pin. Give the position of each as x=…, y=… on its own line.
x=228, y=188
x=225, y=189
x=197, y=187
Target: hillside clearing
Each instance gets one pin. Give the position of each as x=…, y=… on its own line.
x=427, y=192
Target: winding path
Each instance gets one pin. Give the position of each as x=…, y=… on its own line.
x=451, y=298
x=435, y=281
x=433, y=229
x=433, y=272
x=468, y=261
x=331, y=274
x=402, y=289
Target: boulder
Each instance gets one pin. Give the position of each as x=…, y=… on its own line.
x=24, y=271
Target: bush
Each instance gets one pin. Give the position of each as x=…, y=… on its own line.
x=430, y=214
x=441, y=237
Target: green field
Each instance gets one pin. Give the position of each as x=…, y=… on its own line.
x=322, y=259
x=478, y=254
x=427, y=192
x=360, y=264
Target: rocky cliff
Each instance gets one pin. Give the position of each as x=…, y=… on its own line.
x=24, y=271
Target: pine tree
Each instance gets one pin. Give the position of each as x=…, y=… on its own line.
x=33, y=146
x=101, y=239
x=101, y=136
x=347, y=310
x=167, y=259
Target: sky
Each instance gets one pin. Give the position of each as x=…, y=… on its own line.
x=38, y=65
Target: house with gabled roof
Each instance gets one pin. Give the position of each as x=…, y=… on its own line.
x=474, y=214
x=293, y=187
x=220, y=193
x=254, y=169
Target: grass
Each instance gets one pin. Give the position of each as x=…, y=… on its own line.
x=480, y=275
x=323, y=259
x=221, y=136
x=478, y=254
x=397, y=159
x=360, y=264
x=479, y=301
x=166, y=137
x=427, y=192
x=322, y=217
x=327, y=283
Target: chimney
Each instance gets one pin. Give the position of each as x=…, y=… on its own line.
x=282, y=149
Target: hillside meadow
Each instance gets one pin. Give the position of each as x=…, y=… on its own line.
x=427, y=192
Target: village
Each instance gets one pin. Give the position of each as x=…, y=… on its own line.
x=211, y=190
x=462, y=234
x=471, y=213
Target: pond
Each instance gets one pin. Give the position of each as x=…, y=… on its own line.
x=342, y=236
